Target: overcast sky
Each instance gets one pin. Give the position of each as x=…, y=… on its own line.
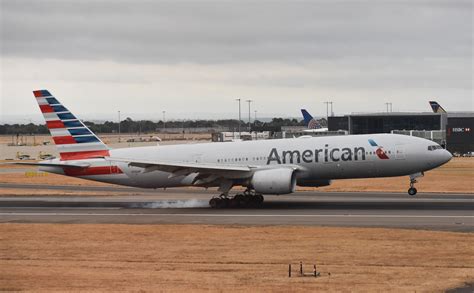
x=192, y=59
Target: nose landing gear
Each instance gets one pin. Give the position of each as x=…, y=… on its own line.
x=412, y=190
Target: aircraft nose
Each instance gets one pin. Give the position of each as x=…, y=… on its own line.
x=445, y=156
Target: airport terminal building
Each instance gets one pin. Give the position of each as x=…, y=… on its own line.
x=454, y=130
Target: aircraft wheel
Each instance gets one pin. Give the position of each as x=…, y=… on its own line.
x=214, y=202
x=239, y=199
x=246, y=200
x=224, y=203
x=259, y=199
x=233, y=203
x=412, y=191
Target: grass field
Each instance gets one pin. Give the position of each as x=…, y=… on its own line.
x=178, y=258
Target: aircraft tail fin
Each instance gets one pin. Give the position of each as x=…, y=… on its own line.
x=307, y=117
x=310, y=121
x=436, y=107
x=74, y=140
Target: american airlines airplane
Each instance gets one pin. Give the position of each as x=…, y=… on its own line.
x=264, y=167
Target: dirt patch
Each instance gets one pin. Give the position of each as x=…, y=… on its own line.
x=229, y=258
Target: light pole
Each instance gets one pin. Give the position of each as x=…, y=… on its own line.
x=255, y=124
x=389, y=104
x=327, y=109
x=119, y=125
x=239, y=118
x=164, y=121
x=249, y=101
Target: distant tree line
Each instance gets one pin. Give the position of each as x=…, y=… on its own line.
x=146, y=126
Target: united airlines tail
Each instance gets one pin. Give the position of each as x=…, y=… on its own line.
x=436, y=107
x=310, y=121
x=72, y=138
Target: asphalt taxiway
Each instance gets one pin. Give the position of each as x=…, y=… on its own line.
x=433, y=211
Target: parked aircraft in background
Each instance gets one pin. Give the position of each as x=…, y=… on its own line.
x=313, y=124
x=437, y=107
x=263, y=167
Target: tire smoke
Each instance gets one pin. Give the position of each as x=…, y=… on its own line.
x=172, y=204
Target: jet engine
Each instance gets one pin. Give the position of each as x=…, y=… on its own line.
x=274, y=181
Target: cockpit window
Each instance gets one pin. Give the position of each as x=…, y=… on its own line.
x=434, y=147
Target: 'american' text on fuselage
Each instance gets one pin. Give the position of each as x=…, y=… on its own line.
x=318, y=155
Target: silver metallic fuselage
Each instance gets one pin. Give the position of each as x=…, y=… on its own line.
x=317, y=158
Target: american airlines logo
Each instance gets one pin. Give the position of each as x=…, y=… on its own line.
x=326, y=154
x=380, y=152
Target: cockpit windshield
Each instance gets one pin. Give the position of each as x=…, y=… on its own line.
x=434, y=147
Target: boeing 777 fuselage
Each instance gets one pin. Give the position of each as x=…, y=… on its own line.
x=263, y=167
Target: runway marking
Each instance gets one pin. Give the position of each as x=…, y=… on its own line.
x=232, y=215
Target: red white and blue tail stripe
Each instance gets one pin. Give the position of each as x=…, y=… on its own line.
x=73, y=139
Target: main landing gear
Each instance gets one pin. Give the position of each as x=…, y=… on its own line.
x=248, y=199
x=412, y=190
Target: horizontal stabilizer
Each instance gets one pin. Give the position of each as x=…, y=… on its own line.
x=46, y=164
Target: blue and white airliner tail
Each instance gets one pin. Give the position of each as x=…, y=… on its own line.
x=312, y=124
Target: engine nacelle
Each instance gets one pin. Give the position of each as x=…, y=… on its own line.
x=274, y=181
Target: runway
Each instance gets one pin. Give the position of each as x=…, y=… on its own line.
x=454, y=212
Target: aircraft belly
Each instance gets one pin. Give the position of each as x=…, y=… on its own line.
x=343, y=170
x=119, y=179
x=158, y=179
x=361, y=169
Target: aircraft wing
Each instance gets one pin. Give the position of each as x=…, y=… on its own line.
x=185, y=168
x=205, y=174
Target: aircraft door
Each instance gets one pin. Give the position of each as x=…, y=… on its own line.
x=400, y=152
